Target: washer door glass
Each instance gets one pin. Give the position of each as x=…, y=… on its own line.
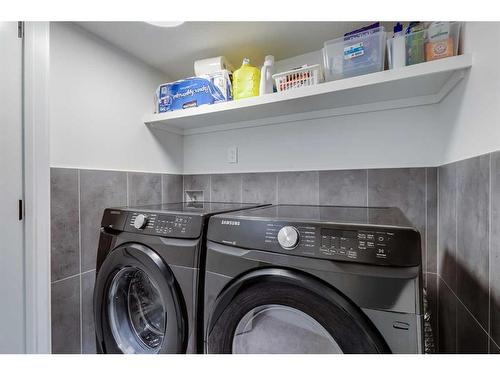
x=281, y=329
x=137, y=315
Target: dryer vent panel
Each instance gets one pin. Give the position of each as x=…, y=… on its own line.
x=193, y=196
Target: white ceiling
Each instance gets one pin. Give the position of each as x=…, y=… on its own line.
x=174, y=50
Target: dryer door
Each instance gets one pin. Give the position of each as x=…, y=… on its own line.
x=289, y=314
x=138, y=306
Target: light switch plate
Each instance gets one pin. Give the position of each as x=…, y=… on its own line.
x=232, y=155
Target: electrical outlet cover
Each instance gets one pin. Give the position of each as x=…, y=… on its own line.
x=232, y=155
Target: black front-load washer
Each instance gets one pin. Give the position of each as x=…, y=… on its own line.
x=313, y=279
x=146, y=290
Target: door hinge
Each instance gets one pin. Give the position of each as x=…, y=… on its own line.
x=21, y=210
x=20, y=30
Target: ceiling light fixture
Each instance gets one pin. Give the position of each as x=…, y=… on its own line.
x=166, y=23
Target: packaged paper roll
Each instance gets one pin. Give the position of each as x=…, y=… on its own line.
x=211, y=65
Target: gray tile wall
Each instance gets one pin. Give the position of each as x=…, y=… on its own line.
x=468, y=255
x=78, y=198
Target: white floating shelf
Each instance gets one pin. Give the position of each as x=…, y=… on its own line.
x=421, y=84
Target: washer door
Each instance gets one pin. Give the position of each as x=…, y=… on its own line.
x=137, y=304
x=279, y=316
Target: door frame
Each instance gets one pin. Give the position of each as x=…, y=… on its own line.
x=37, y=185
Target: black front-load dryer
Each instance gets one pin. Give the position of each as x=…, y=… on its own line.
x=313, y=279
x=146, y=290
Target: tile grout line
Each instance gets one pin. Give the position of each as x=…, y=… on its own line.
x=489, y=252
x=276, y=188
x=317, y=178
x=456, y=251
x=426, y=228
x=366, y=180
x=437, y=256
x=80, y=255
x=126, y=175
x=468, y=311
x=64, y=279
x=161, y=188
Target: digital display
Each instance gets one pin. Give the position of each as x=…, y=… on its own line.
x=167, y=218
x=339, y=233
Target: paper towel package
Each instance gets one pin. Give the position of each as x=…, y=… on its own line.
x=193, y=92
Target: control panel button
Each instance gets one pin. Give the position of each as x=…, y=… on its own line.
x=140, y=221
x=288, y=237
x=352, y=254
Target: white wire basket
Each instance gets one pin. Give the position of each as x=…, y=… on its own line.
x=306, y=76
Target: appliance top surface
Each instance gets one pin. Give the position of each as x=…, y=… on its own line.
x=196, y=208
x=380, y=216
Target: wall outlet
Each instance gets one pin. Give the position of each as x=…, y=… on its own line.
x=232, y=155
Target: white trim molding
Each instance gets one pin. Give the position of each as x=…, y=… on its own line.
x=37, y=186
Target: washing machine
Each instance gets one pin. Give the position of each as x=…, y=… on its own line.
x=147, y=277
x=313, y=279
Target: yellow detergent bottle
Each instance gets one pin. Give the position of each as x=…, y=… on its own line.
x=246, y=81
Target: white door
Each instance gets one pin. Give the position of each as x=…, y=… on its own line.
x=12, y=309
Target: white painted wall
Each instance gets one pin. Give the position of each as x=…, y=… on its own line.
x=395, y=138
x=98, y=95
x=473, y=108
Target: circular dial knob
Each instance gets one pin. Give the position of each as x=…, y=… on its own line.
x=140, y=221
x=288, y=237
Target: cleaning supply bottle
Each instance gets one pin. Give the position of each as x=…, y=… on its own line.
x=398, y=54
x=266, y=76
x=246, y=81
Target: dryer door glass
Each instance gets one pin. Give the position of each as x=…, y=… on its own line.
x=281, y=329
x=137, y=314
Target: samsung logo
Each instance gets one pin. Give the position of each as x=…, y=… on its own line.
x=230, y=222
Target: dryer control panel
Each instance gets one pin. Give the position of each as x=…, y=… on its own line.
x=365, y=245
x=385, y=246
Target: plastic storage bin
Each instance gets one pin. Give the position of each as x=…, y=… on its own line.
x=306, y=76
x=437, y=41
x=354, y=55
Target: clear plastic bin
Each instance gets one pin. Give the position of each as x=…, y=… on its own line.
x=354, y=55
x=437, y=41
